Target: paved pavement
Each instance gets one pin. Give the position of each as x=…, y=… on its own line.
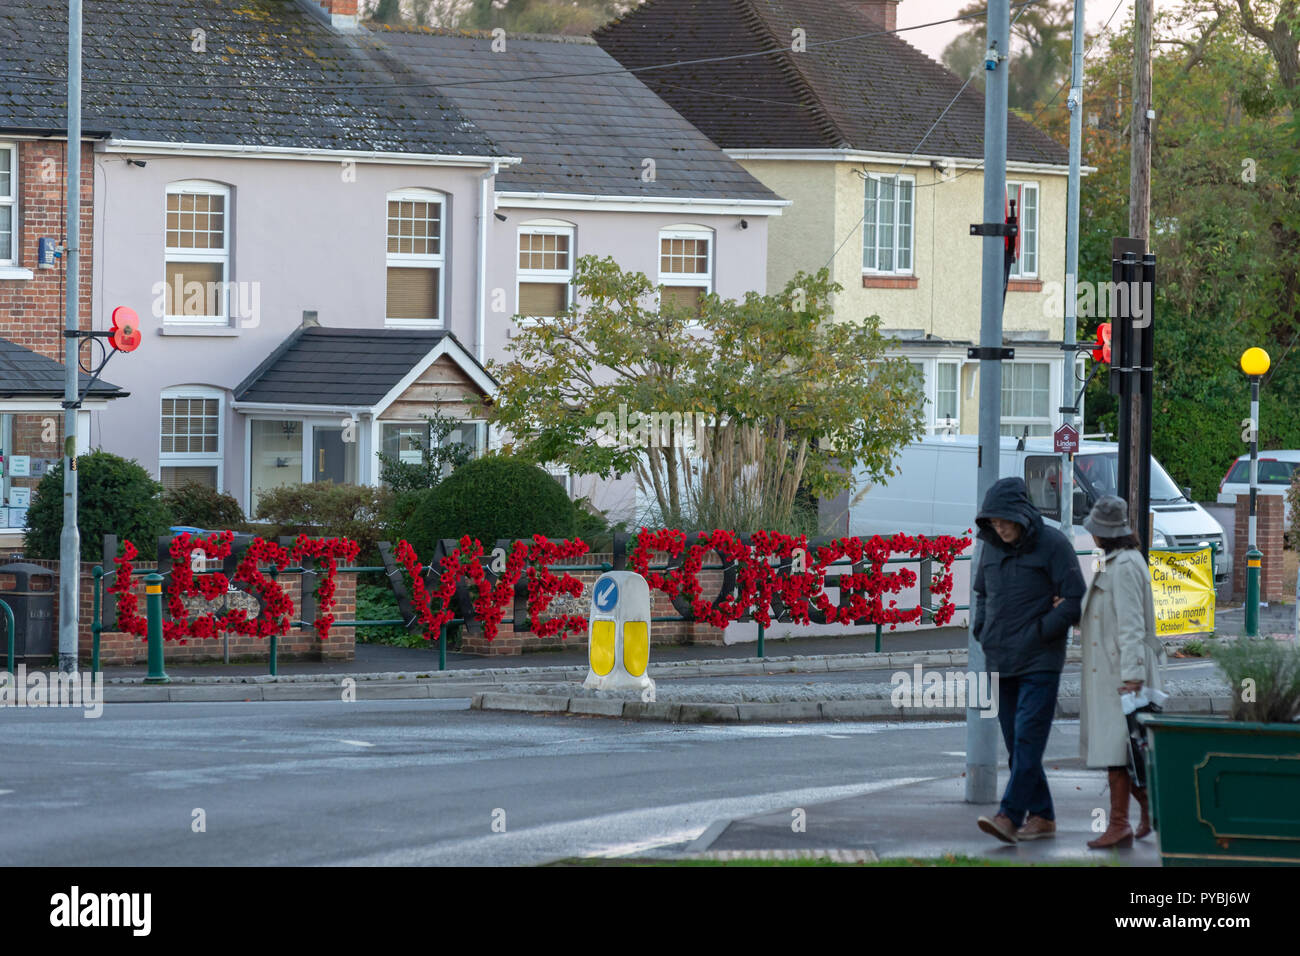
x=930, y=818
x=425, y=782
x=1275, y=620
x=375, y=658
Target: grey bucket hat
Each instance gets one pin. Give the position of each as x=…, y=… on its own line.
x=1109, y=518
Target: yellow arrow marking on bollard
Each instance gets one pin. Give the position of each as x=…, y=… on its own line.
x=602, y=647
x=636, y=647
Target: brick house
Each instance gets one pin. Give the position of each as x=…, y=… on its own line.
x=33, y=180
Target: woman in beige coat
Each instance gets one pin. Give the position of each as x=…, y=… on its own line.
x=1120, y=654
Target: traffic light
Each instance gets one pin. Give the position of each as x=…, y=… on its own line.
x=125, y=335
x=1102, y=352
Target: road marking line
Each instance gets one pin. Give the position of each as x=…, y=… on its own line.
x=640, y=846
x=567, y=838
x=356, y=743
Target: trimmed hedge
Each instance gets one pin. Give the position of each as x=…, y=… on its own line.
x=324, y=509
x=200, y=506
x=489, y=498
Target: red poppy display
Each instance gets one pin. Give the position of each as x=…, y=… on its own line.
x=767, y=576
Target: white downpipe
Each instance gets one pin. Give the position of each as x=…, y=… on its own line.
x=483, y=213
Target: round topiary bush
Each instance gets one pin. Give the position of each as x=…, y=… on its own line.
x=114, y=496
x=490, y=498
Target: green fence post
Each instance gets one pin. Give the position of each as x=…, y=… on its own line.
x=442, y=648
x=96, y=626
x=877, y=637
x=153, y=612
x=275, y=638
x=9, y=629
x=1253, y=569
x=760, y=638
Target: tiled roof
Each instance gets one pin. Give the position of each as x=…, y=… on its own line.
x=875, y=94
x=347, y=367
x=31, y=375
x=585, y=134
x=272, y=75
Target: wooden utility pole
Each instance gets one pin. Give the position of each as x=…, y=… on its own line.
x=1139, y=202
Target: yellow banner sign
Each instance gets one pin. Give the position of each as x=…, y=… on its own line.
x=1183, y=585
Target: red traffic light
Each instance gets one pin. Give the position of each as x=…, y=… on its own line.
x=1102, y=352
x=126, y=329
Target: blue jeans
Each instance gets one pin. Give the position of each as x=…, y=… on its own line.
x=1026, y=705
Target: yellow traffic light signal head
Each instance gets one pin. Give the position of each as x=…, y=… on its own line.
x=1254, y=361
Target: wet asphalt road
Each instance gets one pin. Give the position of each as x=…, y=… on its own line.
x=414, y=782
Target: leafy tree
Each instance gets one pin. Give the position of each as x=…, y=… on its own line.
x=1225, y=220
x=1040, y=60
x=739, y=402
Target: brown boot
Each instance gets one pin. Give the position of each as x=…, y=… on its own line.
x=1144, y=822
x=1037, y=828
x=1118, y=832
x=999, y=826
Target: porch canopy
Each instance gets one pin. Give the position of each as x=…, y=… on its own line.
x=327, y=401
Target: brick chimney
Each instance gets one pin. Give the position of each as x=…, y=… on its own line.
x=884, y=12
x=340, y=14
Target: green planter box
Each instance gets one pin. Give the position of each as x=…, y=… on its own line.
x=1225, y=792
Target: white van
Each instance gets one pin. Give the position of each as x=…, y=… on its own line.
x=934, y=491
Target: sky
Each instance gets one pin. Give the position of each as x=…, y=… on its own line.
x=932, y=40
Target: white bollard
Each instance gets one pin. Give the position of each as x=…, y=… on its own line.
x=618, y=634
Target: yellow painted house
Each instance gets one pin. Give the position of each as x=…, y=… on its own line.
x=830, y=109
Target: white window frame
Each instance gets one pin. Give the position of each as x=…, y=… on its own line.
x=482, y=442
x=200, y=187
x=944, y=425
x=247, y=492
x=563, y=477
x=407, y=260
x=545, y=227
x=1018, y=270
x=172, y=459
x=870, y=227
x=11, y=202
x=1052, y=419
x=930, y=390
x=701, y=280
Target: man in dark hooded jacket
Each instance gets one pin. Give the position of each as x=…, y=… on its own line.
x=1028, y=594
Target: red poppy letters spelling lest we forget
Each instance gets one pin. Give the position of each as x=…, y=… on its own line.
x=763, y=576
